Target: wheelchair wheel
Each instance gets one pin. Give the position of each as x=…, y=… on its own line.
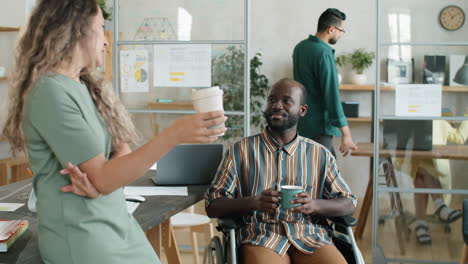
x=214, y=252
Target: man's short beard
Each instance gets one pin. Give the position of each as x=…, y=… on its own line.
x=332, y=41
x=291, y=121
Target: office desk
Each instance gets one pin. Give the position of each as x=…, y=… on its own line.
x=153, y=216
x=454, y=152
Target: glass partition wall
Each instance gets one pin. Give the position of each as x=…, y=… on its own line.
x=420, y=128
x=196, y=44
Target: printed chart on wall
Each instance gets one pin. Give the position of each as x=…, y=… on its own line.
x=182, y=65
x=418, y=100
x=134, y=71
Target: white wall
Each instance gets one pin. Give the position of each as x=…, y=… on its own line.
x=278, y=26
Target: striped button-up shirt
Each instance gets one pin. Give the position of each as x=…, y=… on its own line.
x=257, y=163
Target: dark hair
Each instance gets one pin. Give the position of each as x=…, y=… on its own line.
x=304, y=93
x=331, y=17
x=293, y=83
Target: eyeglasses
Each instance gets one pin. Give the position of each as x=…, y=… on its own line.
x=342, y=30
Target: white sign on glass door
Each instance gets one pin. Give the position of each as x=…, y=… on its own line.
x=182, y=65
x=418, y=100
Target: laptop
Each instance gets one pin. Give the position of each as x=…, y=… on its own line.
x=189, y=164
x=407, y=134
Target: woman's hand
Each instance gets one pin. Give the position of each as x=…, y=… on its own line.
x=195, y=128
x=80, y=184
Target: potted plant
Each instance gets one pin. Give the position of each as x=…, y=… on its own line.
x=341, y=61
x=227, y=71
x=258, y=92
x=360, y=60
x=105, y=13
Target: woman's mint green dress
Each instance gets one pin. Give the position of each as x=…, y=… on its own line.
x=62, y=124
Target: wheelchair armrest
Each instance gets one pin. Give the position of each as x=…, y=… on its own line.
x=228, y=223
x=465, y=220
x=343, y=221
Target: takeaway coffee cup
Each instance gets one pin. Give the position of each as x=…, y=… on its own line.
x=287, y=195
x=207, y=100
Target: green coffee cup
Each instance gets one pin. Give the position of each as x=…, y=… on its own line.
x=288, y=193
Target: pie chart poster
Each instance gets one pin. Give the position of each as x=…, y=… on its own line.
x=134, y=71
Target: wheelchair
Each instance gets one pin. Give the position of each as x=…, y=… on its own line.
x=224, y=250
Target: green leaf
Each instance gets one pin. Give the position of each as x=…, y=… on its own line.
x=105, y=13
x=228, y=72
x=360, y=60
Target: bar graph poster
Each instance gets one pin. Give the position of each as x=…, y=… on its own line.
x=182, y=65
x=418, y=100
x=134, y=71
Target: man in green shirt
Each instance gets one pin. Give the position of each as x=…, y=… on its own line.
x=314, y=67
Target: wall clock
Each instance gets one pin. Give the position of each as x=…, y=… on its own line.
x=452, y=18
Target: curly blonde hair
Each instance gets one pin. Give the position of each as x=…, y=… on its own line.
x=54, y=29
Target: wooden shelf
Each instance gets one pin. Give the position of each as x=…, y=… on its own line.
x=359, y=119
x=171, y=106
x=365, y=87
x=455, y=89
x=354, y=87
x=370, y=87
x=3, y=78
x=369, y=120
x=9, y=29
x=2, y=138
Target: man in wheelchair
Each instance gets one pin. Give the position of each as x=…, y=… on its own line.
x=248, y=184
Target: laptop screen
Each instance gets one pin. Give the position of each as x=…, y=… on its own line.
x=189, y=164
x=407, y=134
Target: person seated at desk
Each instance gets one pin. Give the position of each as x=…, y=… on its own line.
x=434, y=174
x=248, y=181
x=61, y=111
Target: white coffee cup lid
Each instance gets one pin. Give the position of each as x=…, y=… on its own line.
x=206, y=92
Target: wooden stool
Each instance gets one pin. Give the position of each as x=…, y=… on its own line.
x=193, y=223
x=13, y=169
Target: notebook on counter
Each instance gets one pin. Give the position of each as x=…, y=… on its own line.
x=10, y=231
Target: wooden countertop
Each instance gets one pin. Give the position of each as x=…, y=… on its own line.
x=385, y=88
x=454, y=152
